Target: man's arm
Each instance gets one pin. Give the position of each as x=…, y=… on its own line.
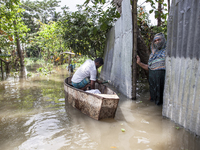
x=92, y=84
x=144, y=66
x=98, y=81
x=85, y=87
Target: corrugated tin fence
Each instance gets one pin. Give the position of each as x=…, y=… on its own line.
x=118, y=52
x=182, y=83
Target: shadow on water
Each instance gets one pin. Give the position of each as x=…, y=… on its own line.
x=34, y=115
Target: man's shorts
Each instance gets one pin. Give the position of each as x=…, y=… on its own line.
x=81, y=84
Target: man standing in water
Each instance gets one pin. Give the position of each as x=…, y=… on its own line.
x=156, y=67
x=86, y=75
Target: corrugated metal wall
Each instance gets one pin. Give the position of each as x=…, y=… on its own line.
x=118, y=52
x=182, y=83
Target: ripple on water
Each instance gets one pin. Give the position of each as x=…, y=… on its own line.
x=47, y=131
x=142, y=140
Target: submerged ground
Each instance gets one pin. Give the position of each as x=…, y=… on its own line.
x=33, y=116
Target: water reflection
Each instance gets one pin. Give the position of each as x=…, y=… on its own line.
x=50, y=130
x=33, y=115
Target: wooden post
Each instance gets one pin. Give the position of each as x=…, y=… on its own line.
x=134, y=71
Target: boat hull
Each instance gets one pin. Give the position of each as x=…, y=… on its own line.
x=97, y=106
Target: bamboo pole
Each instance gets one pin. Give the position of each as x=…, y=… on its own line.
x=134, y=23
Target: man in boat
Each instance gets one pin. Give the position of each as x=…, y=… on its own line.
x=86, y=74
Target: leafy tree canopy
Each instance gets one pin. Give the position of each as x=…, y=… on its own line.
x=85, y=30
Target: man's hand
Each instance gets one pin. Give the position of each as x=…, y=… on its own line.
x=138, y=60
x=85, y=87
x=144, y=66
x=100, y=82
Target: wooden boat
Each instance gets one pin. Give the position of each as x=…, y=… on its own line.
x=97, y=106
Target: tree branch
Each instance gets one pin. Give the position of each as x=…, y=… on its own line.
x=7, y=62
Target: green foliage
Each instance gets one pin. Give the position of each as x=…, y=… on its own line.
x=28, y=61
x=38, y=10
x=30, y=74
x=4, y=55
x=40, y=69
x=81, y=60
x=85, y=30
x=11, y=23
x=31, y=60
x=147, y=30
x=156, y=11
x=12, y=30
x=37, y=13
x=40, y=61
x=143, y=24
x=45, y=69
x=49, y=39
x=95, y=1
x=162, y=29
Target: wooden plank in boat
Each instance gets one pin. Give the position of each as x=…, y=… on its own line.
x=109, y=96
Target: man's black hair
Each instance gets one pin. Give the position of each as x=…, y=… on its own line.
x=100, y=60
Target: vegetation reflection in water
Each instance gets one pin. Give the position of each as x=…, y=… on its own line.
x=32, y=94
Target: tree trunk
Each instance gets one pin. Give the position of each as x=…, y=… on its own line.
x=39, y=52
x=23, y=72
x=19, y=51
x=159, y=13
x=2, y=69
x=6, y=65
x=49, y=55
x=134, y=71
x=61, y=57
x=168, y=5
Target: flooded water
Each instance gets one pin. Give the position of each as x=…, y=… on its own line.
x=33, y=116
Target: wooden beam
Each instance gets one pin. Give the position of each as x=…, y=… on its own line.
x=134, y=71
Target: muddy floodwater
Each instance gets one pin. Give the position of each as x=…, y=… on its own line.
x=34, y=116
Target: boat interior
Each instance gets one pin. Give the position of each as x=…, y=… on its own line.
x=101, y=87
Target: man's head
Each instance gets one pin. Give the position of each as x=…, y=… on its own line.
x=159, y=41
x=98, y=62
